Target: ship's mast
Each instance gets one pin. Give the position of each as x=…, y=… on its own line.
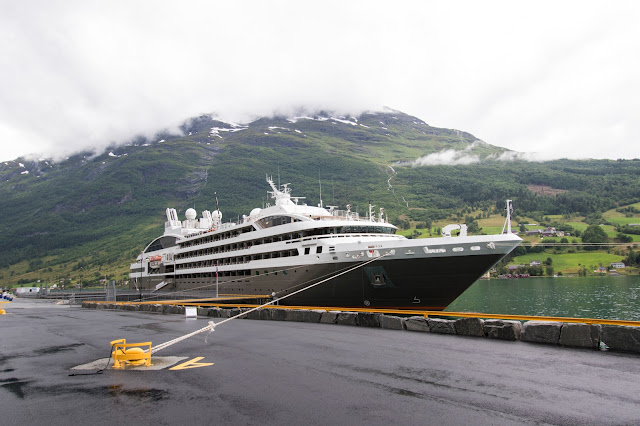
x=507, y=223
x=320, y=183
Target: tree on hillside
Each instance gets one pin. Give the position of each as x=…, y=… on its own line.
x=594, y=234
x=472, y=225
x=623, y=238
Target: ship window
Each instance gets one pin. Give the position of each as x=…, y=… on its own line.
x=319, y=249
x=284, y=272
x=266, y=272
x=161, y=243
x=270, y=221
x=307, y=250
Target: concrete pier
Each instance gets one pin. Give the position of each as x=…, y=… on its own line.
x=290, y=372
x=623, y=338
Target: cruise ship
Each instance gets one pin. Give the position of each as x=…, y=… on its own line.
x=288, y=246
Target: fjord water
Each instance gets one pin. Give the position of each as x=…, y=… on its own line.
x=608, y=297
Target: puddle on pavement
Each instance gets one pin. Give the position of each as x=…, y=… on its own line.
x=56, y=349
x=15, y=386
x=151, y=395
x=25, y=388
x=157, y=327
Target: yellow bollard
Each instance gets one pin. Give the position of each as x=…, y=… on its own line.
x=129, y=353
x=2, y=302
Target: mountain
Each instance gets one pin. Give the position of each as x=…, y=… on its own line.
x=91, y=214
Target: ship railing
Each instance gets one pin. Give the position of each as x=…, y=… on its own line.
x=345, y=214
x=222, y=226
x=349, y=215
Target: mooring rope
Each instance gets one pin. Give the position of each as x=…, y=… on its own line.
x=211, y=327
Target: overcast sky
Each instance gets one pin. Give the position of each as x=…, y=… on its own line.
x=557, y=78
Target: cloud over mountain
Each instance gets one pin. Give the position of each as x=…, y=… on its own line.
x=559, y=79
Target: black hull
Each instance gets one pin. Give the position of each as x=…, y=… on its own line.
x=430, y=284
x=420, y=283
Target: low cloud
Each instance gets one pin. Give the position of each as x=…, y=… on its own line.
x=447, y=157
x=452, y=157
x=534, y=157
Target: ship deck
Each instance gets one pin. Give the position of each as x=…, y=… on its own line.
x=277, y=372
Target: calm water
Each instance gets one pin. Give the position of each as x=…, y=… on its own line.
x=615, y=297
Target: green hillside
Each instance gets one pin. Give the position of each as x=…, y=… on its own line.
x=87, y=217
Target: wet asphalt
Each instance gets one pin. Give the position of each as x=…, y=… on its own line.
x=268, y=372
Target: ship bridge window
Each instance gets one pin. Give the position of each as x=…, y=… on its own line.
x=270, y=221
x=361, y=229
x=161, y=243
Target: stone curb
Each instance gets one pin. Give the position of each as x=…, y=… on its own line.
x=391, y=322
x=469, y=327
x=502, y=329
x=441, y=326
x=623, y=338
x=416, y=323
x=541, y=332
x=579, y=335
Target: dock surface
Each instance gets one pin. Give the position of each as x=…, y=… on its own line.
x=272, y=372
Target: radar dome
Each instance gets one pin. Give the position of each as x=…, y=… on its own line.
x=216, y=215
x=190, y=214
x=255, y=212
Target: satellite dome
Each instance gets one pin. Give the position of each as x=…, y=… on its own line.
x=190, y=214
x=216, y=215
x=255, y=212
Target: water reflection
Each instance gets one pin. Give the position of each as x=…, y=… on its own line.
x=592, y=297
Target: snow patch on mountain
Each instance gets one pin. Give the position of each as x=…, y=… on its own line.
x=339, y=120
x=215, y=131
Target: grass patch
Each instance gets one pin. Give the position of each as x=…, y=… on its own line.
x=580, y=226
x=623, y=220
x=570, y=263
x=489, y=230
x=493, y=221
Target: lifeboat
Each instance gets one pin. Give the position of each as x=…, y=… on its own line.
x=155, y=261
